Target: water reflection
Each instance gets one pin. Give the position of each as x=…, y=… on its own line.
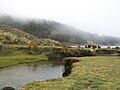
x=19, y=75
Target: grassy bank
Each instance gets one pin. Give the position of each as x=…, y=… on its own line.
x=91, y=73
x=19, y=57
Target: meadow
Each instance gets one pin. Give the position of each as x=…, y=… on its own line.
x=91, y=73
x=19, y=57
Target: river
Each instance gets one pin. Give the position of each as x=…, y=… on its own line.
x=19, y=75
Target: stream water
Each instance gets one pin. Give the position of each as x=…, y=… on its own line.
x=18, y=75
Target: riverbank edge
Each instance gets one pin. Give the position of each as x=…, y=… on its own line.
x=71, y=82
x=24, y=63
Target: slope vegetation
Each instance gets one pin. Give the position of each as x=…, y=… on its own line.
x=57, y=31
x=10, y=35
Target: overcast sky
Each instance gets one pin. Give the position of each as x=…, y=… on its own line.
x=95, y=16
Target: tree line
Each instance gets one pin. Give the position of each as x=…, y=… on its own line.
x=57, y=31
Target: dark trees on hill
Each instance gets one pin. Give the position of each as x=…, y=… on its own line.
x=58, y=31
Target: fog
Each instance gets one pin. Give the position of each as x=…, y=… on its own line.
x=57, y=31
x=95, y=16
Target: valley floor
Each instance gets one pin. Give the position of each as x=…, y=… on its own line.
x=91, y=73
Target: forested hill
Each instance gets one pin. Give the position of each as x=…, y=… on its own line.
x=57, y=31
x=10, y=35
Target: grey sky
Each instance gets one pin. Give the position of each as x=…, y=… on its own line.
x=95, y=16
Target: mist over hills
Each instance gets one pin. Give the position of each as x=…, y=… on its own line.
x=9, y=35
x=57, y=31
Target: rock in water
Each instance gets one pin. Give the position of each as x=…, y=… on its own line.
x=8, y=88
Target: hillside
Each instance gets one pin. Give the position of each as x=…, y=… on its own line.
x=9, y=35
x=57, y=31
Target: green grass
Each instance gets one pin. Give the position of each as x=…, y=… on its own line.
x=18, y=58
x=91, y=73
x=26, y=46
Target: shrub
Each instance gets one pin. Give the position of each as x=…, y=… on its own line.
x=8, y=88
x=0, y=46
x=94, y=46
x=85, y=46
x=117, y=47
x=109, y=47
x=99, y=46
